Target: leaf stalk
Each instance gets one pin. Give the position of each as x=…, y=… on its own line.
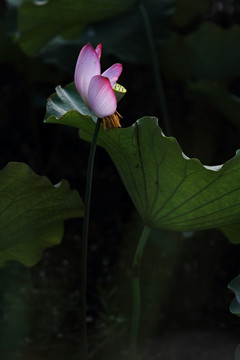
x=136, y=292
x=83, y=265
x=156, y=71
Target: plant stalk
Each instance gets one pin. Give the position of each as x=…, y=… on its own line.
x=136, y=300
x=83, y=265
x=155, y=66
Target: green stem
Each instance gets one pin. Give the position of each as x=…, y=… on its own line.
x=83, y=337
x=136, y=302
x=155, y=65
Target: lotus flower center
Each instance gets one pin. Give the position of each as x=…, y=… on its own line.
x=111, y=121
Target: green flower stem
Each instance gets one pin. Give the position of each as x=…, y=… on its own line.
x=83, y=338
x=155, y=65
x=136, y=302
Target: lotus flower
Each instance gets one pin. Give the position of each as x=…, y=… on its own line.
x=96, y=89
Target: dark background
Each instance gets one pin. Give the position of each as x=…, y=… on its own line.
x=184, y=276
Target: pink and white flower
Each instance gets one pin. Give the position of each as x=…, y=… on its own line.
x=95, y=88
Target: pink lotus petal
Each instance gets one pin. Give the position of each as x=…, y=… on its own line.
x=87, y=66
x=113, y=73
x=99, y=50
x=101, y=98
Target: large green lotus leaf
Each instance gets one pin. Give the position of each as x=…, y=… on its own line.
x=169, y=190
x=40, y=21
x=32, y=212
x=211, y=52
x=218, y=97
